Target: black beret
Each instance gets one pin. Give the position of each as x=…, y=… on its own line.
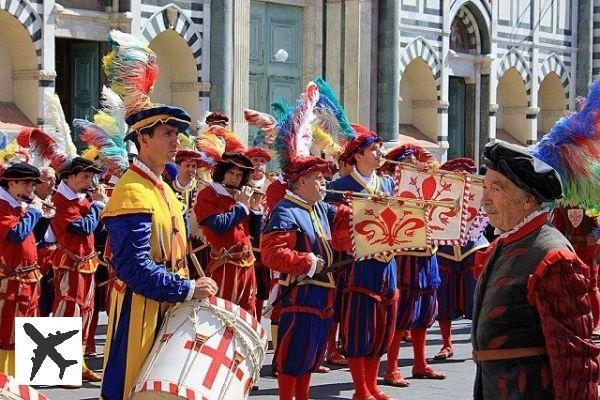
x=77, y=165
x=21, y=172
x=237, y=159
x=524, y=170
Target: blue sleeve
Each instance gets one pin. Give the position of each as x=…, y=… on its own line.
x=41, y=227
x=130, y=240
x=88, y=224
x=20, y=232
x=221, y=223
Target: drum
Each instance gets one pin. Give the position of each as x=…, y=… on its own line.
x=10, y=390
x=206, y=349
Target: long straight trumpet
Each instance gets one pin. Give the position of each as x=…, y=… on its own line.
x=436, y=203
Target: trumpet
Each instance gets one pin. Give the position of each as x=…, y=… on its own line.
x=415, y=202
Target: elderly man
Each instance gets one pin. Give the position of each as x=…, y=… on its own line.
x=531, y=321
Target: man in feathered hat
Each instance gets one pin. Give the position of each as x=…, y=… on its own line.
x=144, y=220
x=78, y=205
x=185, y=183
x=456, y=264
x=297, y=243
x=531, y=318
x=227, y=213
x=19, y=272
x=418, y=280
x=371, y=287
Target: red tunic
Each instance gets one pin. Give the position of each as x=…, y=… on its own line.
x=19, y=294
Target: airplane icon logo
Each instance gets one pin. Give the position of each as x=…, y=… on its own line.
x=47, y=348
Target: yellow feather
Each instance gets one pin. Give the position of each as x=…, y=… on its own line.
x=9, y=152
x=325, y=142
x=185, y=142
x=90, y=153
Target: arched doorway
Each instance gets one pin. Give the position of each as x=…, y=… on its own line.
x=418, y=109
x=177, y=80
x=18, y=67
x=551, y=101
x=511, y=123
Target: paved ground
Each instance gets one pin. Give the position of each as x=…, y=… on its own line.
x=337, y=384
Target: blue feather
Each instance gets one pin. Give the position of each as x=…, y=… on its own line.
x=3, y=140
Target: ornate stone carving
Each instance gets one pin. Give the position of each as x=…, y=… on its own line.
x=177, y=87
x=33, y=74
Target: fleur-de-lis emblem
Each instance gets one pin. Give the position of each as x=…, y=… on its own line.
x=388, y=228
x=431, y=189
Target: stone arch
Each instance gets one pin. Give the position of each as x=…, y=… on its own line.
x=480, y=13
x=23, y=11
x=513, y=59
x=419, y=101
x=553, y=64
x=172, y=17
x=470, y=24
x=419, y=48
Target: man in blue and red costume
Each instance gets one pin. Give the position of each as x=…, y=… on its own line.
x=370, y=297
x=532, y=321
x=418, y=281
x=19, y=272
x=297, y=243
x=456, y=264
x=146, y=231
x=78, y=206
x=227, y=213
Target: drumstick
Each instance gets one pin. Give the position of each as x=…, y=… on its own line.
x=197, y=265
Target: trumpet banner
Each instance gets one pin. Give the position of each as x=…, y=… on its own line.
x=477, y=219
x=447, y=226
x=381, y=228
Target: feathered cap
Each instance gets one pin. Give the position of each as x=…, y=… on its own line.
x=410, y=151
x=77, y=165
x=363, y=138
x=216, y=118
x=132, y=71
x=258, y=152
x=460, y=165
x=21, y=172
x=294, y=138
x=572, y=148
x=44, y=145
x=188, y=155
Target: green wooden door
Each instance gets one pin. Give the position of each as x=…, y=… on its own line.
x=456, y=117
x=85, y=85
x=275, y=55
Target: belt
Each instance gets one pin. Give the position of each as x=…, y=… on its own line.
x=74, y=257
x=505, y=354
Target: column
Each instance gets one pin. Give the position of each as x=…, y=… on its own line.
x=493, y=81
x=584, y=46
x=333, y=46
x=442, y=110
x=357, y=60
x=221, y=51
x=388, y=70
x=531, y=114
x=47, y=66
x=241, y=72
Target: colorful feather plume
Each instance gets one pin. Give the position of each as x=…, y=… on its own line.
x=3, y=140
x=55, y=118
x=44, y=146
x=132, y=70
x=210, y=146
x=265, y=122
x=294, y=137
x=91, y=153
x=572, y=148
x=8, y=149
x=325, y=142
x=329, y=106
x=281, y=109
x=186, y=142
x=232, y=143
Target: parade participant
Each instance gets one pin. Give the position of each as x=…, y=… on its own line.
x=370, y=297
x=297, y=243
x=259, y=157
x=455, y=294
x=46, y=241
x=418, y=281
x=78, y=205
x=227, y=211
x=580, y=229
x=531, y=317
x=185, y=184
x=19, y=272
x=144, y=221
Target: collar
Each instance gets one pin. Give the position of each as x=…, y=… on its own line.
x=220, y=189
x=14, y=203
x=181, y=188
x=530, y=224
x=294, y=198
x=68, y=193
x=260, y=183
x=368, y=182
x=157, y=180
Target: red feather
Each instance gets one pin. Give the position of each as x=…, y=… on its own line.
x=43, y=145
x=232, y=143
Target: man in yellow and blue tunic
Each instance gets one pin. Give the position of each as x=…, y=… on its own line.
x=146, y=232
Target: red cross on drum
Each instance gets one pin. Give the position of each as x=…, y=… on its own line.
x=206, y=350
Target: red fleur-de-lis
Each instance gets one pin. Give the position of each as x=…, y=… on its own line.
x=386, y=228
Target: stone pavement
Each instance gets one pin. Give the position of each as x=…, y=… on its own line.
x=337, y=384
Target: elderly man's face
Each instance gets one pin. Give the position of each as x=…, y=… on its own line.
x=505, y=203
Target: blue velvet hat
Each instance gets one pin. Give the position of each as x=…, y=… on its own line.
x=147, y=118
